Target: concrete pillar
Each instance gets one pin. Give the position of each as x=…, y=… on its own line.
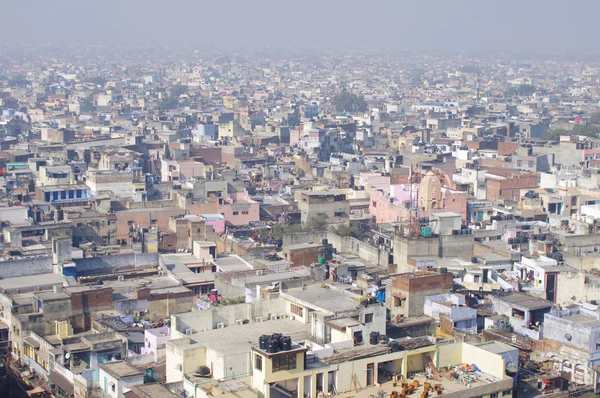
x=16, y=239
x=404, y=367
x=61, y=249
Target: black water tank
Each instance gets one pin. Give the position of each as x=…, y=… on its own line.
x=395, y=346
x=286, y=343
x=262, y=342
x=276, y=337
x=324, y=242
x=374, y=336
x=272, y=346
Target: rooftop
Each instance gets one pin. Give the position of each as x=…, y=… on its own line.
x=153, y=390
x=121, y=369
x=241, y=338
x=525, y=301
x=329, y=300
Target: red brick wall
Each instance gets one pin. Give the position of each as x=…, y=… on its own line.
x=91, y=300
x=303, y=256
x=418, y=284
x=511, y=188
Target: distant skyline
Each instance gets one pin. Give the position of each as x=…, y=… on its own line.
x=474, y=25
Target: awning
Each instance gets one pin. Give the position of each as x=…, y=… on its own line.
x=31, y=342
x=399, y=296
x=36, y=391
x=61, y=382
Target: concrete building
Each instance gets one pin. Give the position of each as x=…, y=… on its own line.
x=525, y=313
x=119, y=182
x=405, y=295
x=452, y=309
x=117, y=378
x=572, y=342
x=63, y=195
x=54, y=175
x=334, y=206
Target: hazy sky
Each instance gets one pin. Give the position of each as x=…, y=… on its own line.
x=401, y=24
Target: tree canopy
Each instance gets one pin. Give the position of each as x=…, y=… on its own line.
x=589, y=129
x=522, y=90
x=18, y=81
x=349, y=102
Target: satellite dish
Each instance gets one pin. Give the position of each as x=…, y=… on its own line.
x=67, y=355
x=178, y=366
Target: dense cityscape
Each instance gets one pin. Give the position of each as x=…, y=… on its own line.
x=253, y=222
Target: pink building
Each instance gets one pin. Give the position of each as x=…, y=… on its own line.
x=172, y=170
x=217, y=221
x=393, y=204
x=239, y=209
x=373, y=181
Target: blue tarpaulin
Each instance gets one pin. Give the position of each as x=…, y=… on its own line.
x=380, y=295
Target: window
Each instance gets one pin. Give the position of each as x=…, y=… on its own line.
x=519, y=163
x=530, y=163
x=284, y=362
x=112, y=387
x=245, y=212
x=368, y=318
x=257, y=362
x=297, y=310
x=506, y=393
x=398, y=302
x=494, y=395
x=235, y=213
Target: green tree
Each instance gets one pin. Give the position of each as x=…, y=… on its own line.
x=18, y=81
x=178, y=90
x=522, y=90
x=347, y=230
x=315, y=224
x=594, y=118
x=346, y=101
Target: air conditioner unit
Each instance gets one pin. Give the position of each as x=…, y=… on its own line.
x=239, y=321
x=259, y=272
x=273, y=317
x=284, y=316
x=220, y=325
x=292, y=317
x=258, y=319
x=121, y=277
x=189, y=331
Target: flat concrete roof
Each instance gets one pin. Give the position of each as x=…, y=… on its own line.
x=154, y=390
x=236, y=339
x=329, y=300
x=232, y=263
x=497, y=347
x=525, y=301
x=121, y=369
x=24, y=282
x=301, y=246
x=581, y=319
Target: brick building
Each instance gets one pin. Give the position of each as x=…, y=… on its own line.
x=510, y=188
x=405, y=296
x=302, y=254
